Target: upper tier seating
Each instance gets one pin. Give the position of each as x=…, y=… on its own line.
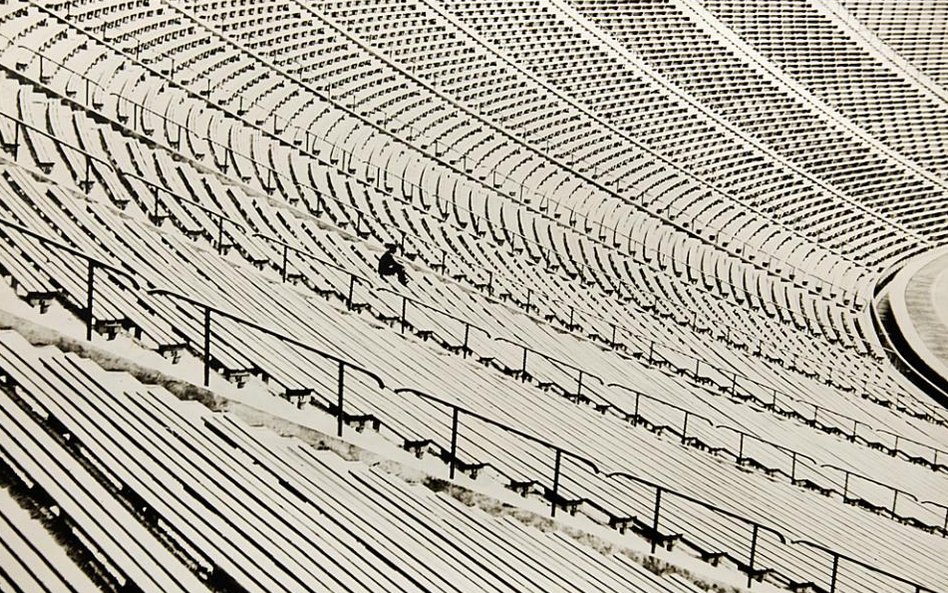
x=811, y=43
x=915, y=30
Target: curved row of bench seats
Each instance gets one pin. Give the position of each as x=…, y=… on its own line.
x=814, y=45
x=425, y=109
x=546, y=43
x=243, y=507
x=413, y=363
x=181, y=188
x=915, y=31
x=217, y=146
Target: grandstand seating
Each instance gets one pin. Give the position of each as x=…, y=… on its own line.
x=226, y=163
x=897, y=109
x=913, y=30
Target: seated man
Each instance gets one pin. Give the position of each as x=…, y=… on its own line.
x=388, y=266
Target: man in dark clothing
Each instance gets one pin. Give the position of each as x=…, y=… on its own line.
x=388, y=266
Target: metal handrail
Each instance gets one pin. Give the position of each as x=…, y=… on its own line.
x=407, y=299
x=69, y=249
x=639, y=394
x=847, y=473
x=310, y=255
x=837, y=556
x=265, y=330
x=766, y=442
x=582, y=373
x=697, y=501
x=899, y=437
x=209, y=309
x=91, y=264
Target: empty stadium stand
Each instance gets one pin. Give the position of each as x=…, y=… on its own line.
x=646, y=243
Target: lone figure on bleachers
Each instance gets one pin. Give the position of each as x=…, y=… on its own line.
x=388, y=266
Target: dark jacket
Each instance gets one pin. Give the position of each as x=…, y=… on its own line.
x=388, y=265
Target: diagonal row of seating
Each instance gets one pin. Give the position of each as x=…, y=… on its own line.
x=247, y=250
x=817, y=47
x=732, y=91
x=914, y=30
x=238, y=350
x=235, y=506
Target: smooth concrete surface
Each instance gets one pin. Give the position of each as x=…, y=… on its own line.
x=918, y=296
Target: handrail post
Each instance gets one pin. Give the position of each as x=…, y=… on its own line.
x=454, y=440
x=207, y=346
x=87, y=184
x=220, y=234
x=793, y=466
x=404, y=310
x=753, y=552
x=467, y=335
x=579, y=384
x=895, y=499
x=740, y=450
x=523, y=367
x=16, y=138
x=556, y=480
x=340, y=390
x=612, y=341
x=684, y=428
x=90, y=296
x=658, y=505
x=651, y=351
x=320, y=205
x=835, y=572
x=352, y=279
x=283, y=268
x=635, y=412
x=845, y=485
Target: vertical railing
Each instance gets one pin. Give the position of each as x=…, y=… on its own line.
x=92, y=264
x=209, y=310
x=838, y=558
x=463, y=347
x=353, y=278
